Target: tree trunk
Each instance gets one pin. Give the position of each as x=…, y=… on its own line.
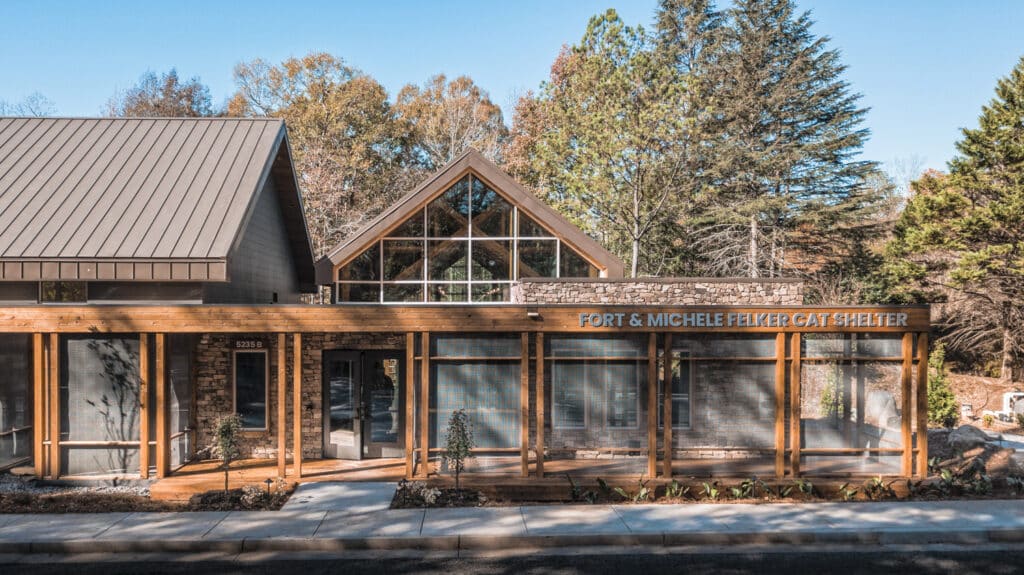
x=753, y=246
x=635, y=257
x=1006, y=369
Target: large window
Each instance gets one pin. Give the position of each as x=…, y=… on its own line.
x=467, y=245
x=596, y=382
x=251, y=388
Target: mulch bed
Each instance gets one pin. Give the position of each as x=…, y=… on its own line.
x=89, y=502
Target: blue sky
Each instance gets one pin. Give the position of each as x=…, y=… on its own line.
x=924, y=67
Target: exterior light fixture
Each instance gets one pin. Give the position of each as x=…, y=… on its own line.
x=269, y=482
x=532, y=313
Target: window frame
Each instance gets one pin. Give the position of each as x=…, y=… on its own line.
x=266, y=386
x=691, y=369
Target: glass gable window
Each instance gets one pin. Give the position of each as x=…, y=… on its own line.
x=469, y=244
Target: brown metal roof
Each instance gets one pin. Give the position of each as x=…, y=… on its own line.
x=469, y=161
x=83, y=195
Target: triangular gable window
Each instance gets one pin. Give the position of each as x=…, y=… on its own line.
x=469, y=244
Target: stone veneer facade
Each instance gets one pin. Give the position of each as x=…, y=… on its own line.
x=214, y=393
x=660, y=291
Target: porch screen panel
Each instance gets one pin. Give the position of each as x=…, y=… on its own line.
x=15, y=399
x=851, y=403
x=179, y=385
x=480, y=375
x=99, y=394
x=598, y=399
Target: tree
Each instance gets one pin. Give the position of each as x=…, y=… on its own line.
x=350, y=149
x=942, y=405
x=225, y=442
x=35, y=105
x=459, y=443
x=163, y=96
x=960, y=238
x=446, y=117
x=780, y=139
x=596, y=142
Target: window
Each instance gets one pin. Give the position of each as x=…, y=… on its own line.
x=596, y=382
x=469, y=244
x=251, y=388
x=62, y=292
x=682, y=375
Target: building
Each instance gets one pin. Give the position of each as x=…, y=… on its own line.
x=151, y=270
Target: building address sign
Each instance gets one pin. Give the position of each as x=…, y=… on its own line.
x=744, y=319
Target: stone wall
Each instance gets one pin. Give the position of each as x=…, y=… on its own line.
x=660, y=291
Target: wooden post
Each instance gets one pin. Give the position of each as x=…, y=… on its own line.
x=54, y=404
x=539, y=374
x=652, y=405
x=794, y=405
x=282, y=405
x=524, y=404
x=905, y=380
x=922, y=404
x=666, y=465
x=424, y=407
x=144, y=413
x=410, y=403
x=163, y=435
x=780, y=405
x=297, y=404
x=38, y=405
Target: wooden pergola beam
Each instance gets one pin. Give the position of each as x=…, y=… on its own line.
x=652, y=405
x=906, y=377
x=424, y=404
x=794, y=404
x=53, y=402
x=524, y=404
x=780, y=405
x=144, y=412
x=539, y=374
x=38, y=404
x=297, y=404
x=163, y=435
x=667, y=406
x=410, y=405
x=922, y=404
x=282, y=405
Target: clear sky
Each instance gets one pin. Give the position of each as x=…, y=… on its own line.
x=925, y=67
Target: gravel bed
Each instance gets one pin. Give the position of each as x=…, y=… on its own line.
x=17, y=484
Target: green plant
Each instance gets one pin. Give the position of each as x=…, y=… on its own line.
x=642, y=493
x=846, y=492
x=831, y=400
x=226, y=438
x=1016, y=484
x=1020, y=420
x=805, y=487
x=602, y=486
x=916, y=488
x=942, y=405
x=676, y=490
x=988, y=419
x=745, y=490
x=459, y=443
x=786, y=490
x=710, y=490
x=933, y=465
x=876, y=488
x=576, y=493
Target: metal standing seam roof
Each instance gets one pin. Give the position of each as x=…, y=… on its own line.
x=117, y=191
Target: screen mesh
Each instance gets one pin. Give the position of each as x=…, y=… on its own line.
x=15, y=398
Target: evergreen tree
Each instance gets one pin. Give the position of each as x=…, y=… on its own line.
x=943, y=408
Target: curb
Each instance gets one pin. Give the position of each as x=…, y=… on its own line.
x=511, y=542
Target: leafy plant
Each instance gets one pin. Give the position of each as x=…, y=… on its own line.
x=578, y=494
x=745, y=490
x=676, y=490
x=933, y=465
x=602, y=486
x=805, y=487
x=710, y=490
x=786, y=490
x=876, y=489
x=642, y=493
x=988, y=419
x=459, y=443
x=847, y=493
x=226, y=438
x=943, y=408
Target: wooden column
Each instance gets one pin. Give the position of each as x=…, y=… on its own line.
x=424, y=407
x=410, y=404
x=524, y=404
x=780, y=405
x=539, y=375
x=652, y=405
x=922, y=404
x=905, y=381
x=38, y=405
x=163, y=435
x=297, y=404
x=144, y=413
x=53, y=380
x=666, y=464
x=794, y=404
x=282, y=405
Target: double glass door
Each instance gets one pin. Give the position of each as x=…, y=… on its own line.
x=363, y=404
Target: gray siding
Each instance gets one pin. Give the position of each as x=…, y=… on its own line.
x=263, y=263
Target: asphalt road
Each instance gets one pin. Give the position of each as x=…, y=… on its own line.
x=991, y=560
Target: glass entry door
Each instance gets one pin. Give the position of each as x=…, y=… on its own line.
x=363, y=404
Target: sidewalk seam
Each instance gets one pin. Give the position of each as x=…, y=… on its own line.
x=214, y=526
x=109, y=527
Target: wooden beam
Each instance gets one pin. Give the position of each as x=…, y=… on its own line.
x=297, y=404
x=424, y=407
x=652, y=405
x=539, y=375
x=524, y=404
x=282, y=405
x=780, y=405
x=38, y=405
x=144, y=413
x=163, y=428
x=410, y=404
x=666, y=464
x=53, y=379
x=441, y=318
x=794, y=404
x=922, y=404
x=906, y=377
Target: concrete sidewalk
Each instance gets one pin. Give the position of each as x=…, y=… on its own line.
x=504, y=528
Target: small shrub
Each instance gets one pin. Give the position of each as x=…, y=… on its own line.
x=805, y=487
x=876, y=489
x=459, y=443
x=988, y=419
x=226, y=438
x=943, y=409
x=675, y=490
x=710, y=490
x=641, y=494
x=846, y=492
